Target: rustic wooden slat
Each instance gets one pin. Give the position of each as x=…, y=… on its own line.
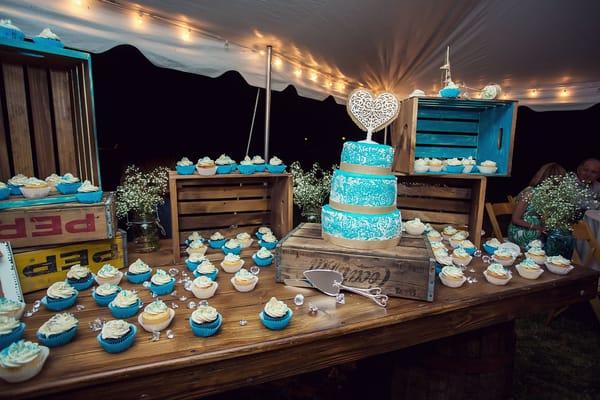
x=437, y=217
x=282, y=201
x=18, y=120
x=446, y=140
x=63, y=118
x=222, y=192
x=443, y=192
x=81, y=142
x=221, y=206
x=175, y=238
x=434, y=204
x=42, y=123
x=438, y=113
x=5, y=172
x=445, y=152
x=223, y=220
x=447, y=126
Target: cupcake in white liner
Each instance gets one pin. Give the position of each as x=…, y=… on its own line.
x=435, y=165
x=35, y=188
x=232, y=263
x=194, y=236
x=504, y=257
x=22, y=360
x=452, y=276
x=414, y=227
x=558, y=265
x=421, y=165
x=11, y=308
x=537, y=254
x=448, y=232
x=244, y=281
x=108, y=274
x=529, y=269
x=496, y=274
x=196, y=247
x=438, y=245
x=156, y=316
x=434, y=236
x=456, y=239
x=205, y=166
x=461, y=257
x=204, y=288
x=488, y=167
x=245, y=239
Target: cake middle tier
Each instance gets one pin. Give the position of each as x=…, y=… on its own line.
x=369, y=194
x=352, y=226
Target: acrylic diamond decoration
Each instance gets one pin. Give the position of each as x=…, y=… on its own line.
x=202, y=303
x=155, y=336
x=170, y=334
x=254, y=270
x=188, y=285
x=174, y=293
x=96, y=325
x=182, y=298
x=146, y=284
x=174, y=305
x=191, y=305
x=299, y=299
x=340, y=298
x=173, y=271
x=80, y=307
x=243, y=322
x=312, y=309
x=37, y=304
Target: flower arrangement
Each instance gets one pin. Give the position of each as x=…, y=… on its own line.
x=141, y=192
x=561, y=201
x=311, y=189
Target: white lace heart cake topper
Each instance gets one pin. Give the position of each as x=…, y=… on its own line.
x=372, y=113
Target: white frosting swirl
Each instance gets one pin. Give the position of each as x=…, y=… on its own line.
x=53, y=179
x=258, y=160
x=217, y=236
x=224, y=159
x=467, y=244
x=69, y=178
x=35, y=183
x=493, y=242
x=558, y=260
x=203, y=282
x=529, y=264
x=59, y=323
x=156, y=307
x=195, y=236
x=435, y=162
x=19, y=354
x=468, y=161
x=48, y=34
x=536, y=251
x=449, y=230
x=276, y=308
x=421, y=162
x=264, y=230
x=2, y=185
x=231, y=258
x=415, y=222
x=460, y=235
x=243, y=277
x=206, y=267
x=60, y=290
x=108, y=271
x=275, y=161
x=197, y=258
x=488, y=163
x=196, y=244
x=8, y=305
x=205, y=162
x=535, y=243
x=243, y=236
x=161, y=277
x=115, y=329
x=125, y=298
x=452, y=272
x=204, y=314
x=232, y=244
x=497, y=269
x=269, y=238
x=453, y=161
x=139, y=267
x=184, y=162
x=263, y=253
x=18, y=180
x=460, y=252
x=87, y=187
x=78, y=272
x=106, y=289
x=7, y=23
x=8, y=324
x=246, y=161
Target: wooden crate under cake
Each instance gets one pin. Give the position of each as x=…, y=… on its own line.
x=443, y=201
x=230, y=204
x=406, y=270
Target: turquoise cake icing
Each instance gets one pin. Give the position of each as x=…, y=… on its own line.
x=354, y=226
x=369, y=154
x=363, y=190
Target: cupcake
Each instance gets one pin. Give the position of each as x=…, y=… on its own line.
x=59, y=296
x=454, y=166
x=80, y=277
x=262, y=231
x=88, y=193
x=269, y=241
x=48, y=38
x=193, y=261
x=108, y=274
x=456, y=239
x=414, y=227
x=35, y=188
x=16, y=183
x=244, y=281
x=11, y=330
x=232, y=246
x=558, y=265
x=435, y=165
x=491, y=245
x=421, y=165
x=196, y=247
x=205, y=321
x=156, y=316
x=537, y=254
x=504, y=257
x=161, y=283
x=10, y=31
x=206, y=268
x=4, y=191
x=259, y=164
x=452, y=276
x=22, y=360
x=217, y=240
x=488, y=167
x=204, y=288
x=461, y=257
x=262, y=257
x=434, y=236
x=245, y=239
x=11, y=308
x=497, y=275
x=194, y=237
x=468, y=164
x=225, y=165
x=105, y=293
x=468, y=246
x=138, y=272
x=117, y=336
x=232, y=263
x=68, y=184
x=246, y=166
x=185, y=166
x=52, y=180
x=438, y=245
x=276, y=315
x=126, y=304
x=442, y=259
x=205, y=166
x=529, y=269
x=448, y=232
x=535, y=244
x=59, y=330
x=276, y=166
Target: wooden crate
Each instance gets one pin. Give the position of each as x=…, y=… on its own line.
x=59, y=223
x=229, y=204
x=39, y=268
x=48, y=97
x=407, y=270
x=441, y=201
x=446, y=128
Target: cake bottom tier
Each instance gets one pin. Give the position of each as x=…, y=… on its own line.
x=348, y=229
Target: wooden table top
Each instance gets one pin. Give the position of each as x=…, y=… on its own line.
x=189, y=367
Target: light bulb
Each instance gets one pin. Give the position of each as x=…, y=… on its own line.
x=564, y=93
x=186, y=35
x=314, y=76
x=277, y=62
x=533, y=93
x=139, y=19
x=298, y=72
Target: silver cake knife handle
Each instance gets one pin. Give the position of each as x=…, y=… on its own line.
x=373, y=293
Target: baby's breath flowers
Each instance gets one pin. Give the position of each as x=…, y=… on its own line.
x=311, y=187
x=141, y=192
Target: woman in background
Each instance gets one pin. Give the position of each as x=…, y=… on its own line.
x=525, y=224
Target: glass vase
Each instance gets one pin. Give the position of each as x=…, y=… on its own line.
x=560, y=242
x=311, y=214
x=145, y=231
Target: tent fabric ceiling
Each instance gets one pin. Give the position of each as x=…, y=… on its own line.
x=547, y=45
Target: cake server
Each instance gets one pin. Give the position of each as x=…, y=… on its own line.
x=330, y=283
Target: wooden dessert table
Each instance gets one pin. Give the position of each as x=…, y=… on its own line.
x=187, y=367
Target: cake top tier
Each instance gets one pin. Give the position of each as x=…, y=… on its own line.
x=368, y=154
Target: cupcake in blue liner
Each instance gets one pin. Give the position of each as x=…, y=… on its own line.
x=246, y=166
x=276, y=315
x=59, y=296
x=193, y=261
x=262, y=257
x=48, y=38
x=206, y=268
x=262, y=231
x=454, y=166
x=276, y=166
x=88, y=193
x=185, y=167
x=16, y=183
x=161, y=283
x=491, y=245
x=468, y=246
x=117, y=336
x=59, y=330
x=126, y=304
x=80, y=277
x=225, y=165
x=217, y=240
x=205, y=321
x=232, y=246
x=269, y=241
x=10, y=31
x=138, y=272
x=4, y=191
x=105, y=293
x=11, y=330
x=468, y=165
x=259, y=164
x=68, y=184
x=194, y=237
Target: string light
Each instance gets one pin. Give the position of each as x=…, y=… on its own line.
x=313, y=76
x=564, y=93
x=186, y=35
x=138, y=19
x=340, y=86
x=298, y=72
x=277, y=62
x=533, y=93
x=328, y=83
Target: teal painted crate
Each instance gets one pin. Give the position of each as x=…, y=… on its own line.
x=446, y=128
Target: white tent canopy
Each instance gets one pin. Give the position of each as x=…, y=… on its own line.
x=542, y=52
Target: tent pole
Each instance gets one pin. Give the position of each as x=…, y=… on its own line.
x=268, y=101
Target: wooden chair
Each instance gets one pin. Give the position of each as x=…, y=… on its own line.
x=496, y=209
